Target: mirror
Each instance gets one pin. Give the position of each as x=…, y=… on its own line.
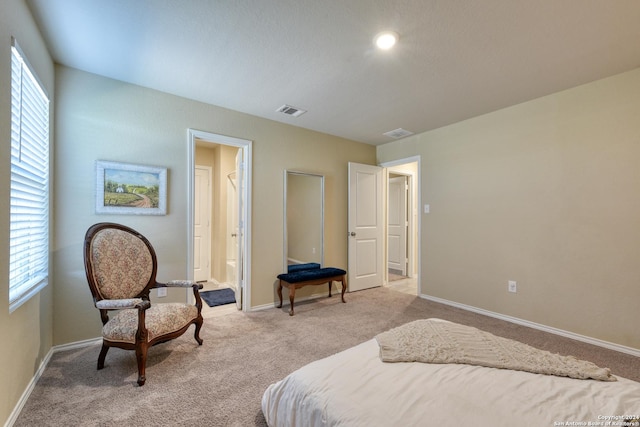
x=304, y=219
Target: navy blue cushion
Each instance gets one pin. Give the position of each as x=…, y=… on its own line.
x=299, y=267
x=304, y=275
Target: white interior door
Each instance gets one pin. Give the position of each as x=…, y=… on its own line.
x=239, y=227
x=397, y=225
x=202, y=224
x=366, y=226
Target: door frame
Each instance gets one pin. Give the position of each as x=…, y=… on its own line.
x=415, y=225
x=244, y=219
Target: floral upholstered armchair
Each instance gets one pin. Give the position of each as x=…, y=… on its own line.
x=121, y=269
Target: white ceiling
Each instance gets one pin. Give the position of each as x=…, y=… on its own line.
x=455, y=59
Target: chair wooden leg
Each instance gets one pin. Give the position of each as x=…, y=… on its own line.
x=141, y=356
x=196, y=335
x=102, y=356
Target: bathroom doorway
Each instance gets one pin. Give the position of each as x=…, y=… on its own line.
x=219, y=212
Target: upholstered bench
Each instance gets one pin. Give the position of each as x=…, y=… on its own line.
x=314, y=276
x=294, y=268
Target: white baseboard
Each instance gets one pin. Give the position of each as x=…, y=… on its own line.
x=27, y=392
x=550, y=329
x=261, y=307
x=77, y=344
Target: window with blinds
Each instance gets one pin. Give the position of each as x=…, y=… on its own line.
x=29, y=229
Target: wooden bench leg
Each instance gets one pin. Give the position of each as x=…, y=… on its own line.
x=280, y=292
x=293, y=286
x=292, y=296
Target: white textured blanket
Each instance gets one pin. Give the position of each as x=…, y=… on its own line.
x=439, y=341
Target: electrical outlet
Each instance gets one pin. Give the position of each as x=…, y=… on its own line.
x=162, y=292
x=513, y=286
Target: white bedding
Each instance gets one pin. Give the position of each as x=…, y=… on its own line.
x=355, y=388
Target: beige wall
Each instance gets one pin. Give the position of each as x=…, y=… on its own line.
x=103, y=119
x=25, y=334
x=546, y=193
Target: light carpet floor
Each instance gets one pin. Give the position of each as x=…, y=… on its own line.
x=222, y=382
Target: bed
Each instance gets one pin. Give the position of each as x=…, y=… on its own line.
x=356, y=388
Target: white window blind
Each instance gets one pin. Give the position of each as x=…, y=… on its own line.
x=29, y=229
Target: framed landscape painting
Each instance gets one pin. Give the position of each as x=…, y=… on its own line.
x=123, y=188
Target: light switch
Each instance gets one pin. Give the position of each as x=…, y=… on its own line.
x=426, y=208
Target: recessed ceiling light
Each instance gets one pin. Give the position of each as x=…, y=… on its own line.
x=386, y=39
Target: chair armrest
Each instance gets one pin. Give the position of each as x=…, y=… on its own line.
x=118, y=304
x=180, y=284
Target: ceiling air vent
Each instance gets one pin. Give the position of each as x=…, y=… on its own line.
x=291, y=111
x=398, y=133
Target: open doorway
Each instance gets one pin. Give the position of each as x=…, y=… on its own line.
x=402, y=257
x=218, y=213
x=369, y=241
x=398, y=210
